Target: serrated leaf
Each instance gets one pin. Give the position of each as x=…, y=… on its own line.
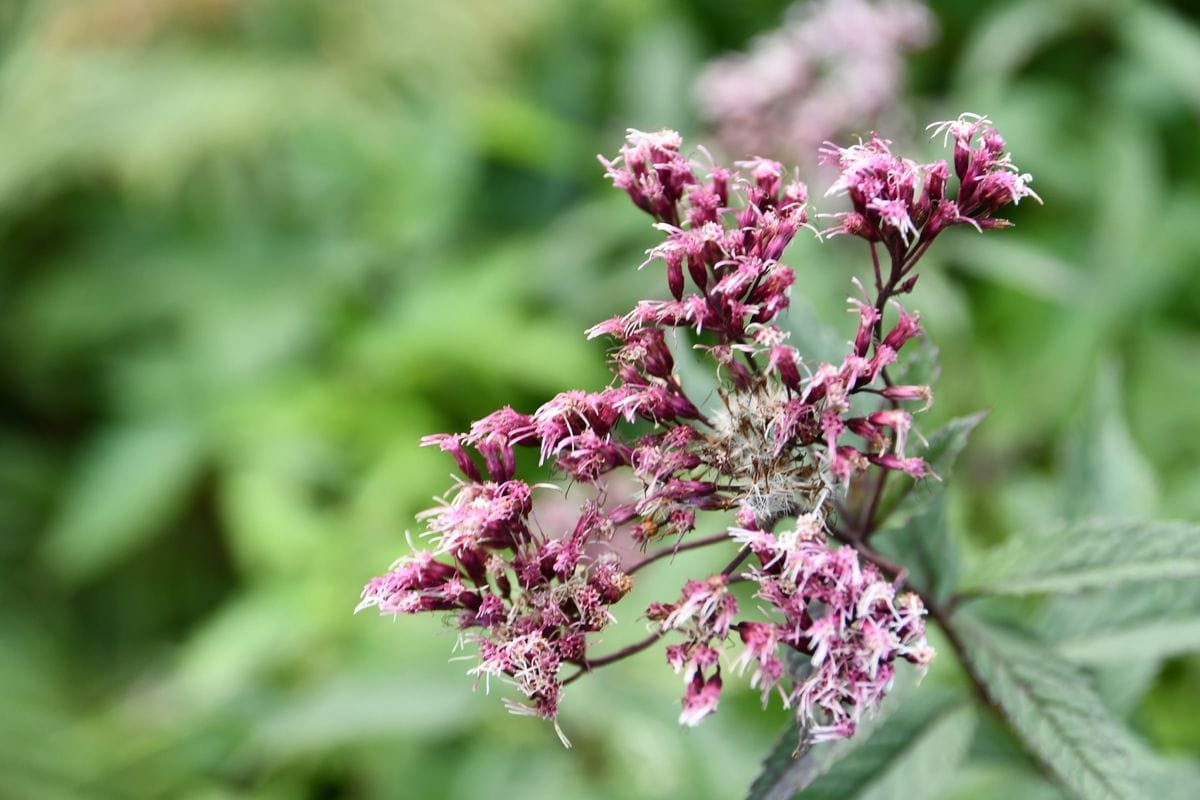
x=128, y=484
x=1054, y=711
x=1092, y=554
x=789, y=768
x=1160, y=639
x=1071, y=621
x=948, y=442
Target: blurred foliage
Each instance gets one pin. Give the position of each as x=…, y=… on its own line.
x=251, y=251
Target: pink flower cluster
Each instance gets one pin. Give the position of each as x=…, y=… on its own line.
x=831, y=67
x=730, y=251
x=786, y=438
x=839, y=612
x=905, y=205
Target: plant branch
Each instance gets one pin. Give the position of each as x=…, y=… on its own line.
x=737, y=561
x=592, y=663
x=866, y=524
x=878, y=273
x=667, y=552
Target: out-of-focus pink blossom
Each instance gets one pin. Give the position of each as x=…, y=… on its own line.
x=832, y=67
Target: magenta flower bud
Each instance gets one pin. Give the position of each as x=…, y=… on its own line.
x=698, y=271
x=705, y=205
x=914, y=466
x=452, y=444
x=615, y=327
x=491, y=611
x=783, y=361
x=894, y=214
x=683, y=490
x=993, y=143
x=868, y=431
x=844, y=462
x=720, y=184
x=906, y=328
x=498, y=458
x=936, y=178
x=679, y=407
x=746, y=518
x=588, y=456
x=945, y=213
x=1002, y=188
x=700, y=700
x=657, y=357
x=767, y=175
x=506, y=425
x=674, y=260
x=867, y=317
x=909, y=392
x=795, y=194
x=962, y=160
x=898, y=420
x=991, y=223
x=778, y=243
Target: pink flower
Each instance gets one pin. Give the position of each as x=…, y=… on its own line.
x=700, y=699
x=828, y=68
x=777, y=439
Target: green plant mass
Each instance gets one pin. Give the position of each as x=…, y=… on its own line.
x=253, y=253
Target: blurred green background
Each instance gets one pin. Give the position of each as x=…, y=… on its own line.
x=251, y=251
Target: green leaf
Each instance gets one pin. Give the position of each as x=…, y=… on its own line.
x=922, y=542
x=1054, y=711
x=1105, y=474
x=698, y=376
x=906, y=732
x=902, y=762
x=1090, y=627
x=916, y=533
x=1171, y=779
x=1160, y=639
x=944, y=447
x=1000, y=781
x=129, y=483
x=816, y=340
x=1019, y=264
x=1086, y=555
x=1169, y=44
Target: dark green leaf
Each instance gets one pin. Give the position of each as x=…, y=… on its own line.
x=1053, y=709
x=887, y=751
x=915, y=533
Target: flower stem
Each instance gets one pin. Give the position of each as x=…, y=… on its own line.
x=667, y=552
x=737, y=561
x=591, y=663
